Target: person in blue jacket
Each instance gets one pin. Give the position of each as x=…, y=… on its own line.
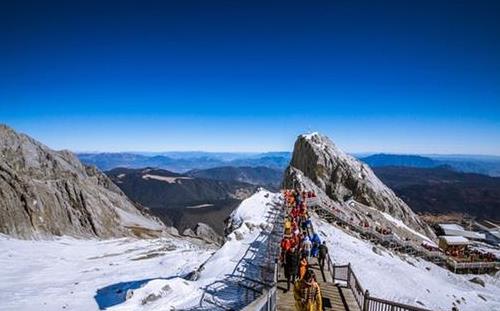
x=316, y=242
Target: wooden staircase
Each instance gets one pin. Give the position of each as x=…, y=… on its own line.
x=335, y=298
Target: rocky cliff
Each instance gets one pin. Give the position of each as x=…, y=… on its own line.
x=350, y=184
x=45, y=193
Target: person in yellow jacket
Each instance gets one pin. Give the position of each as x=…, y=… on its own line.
x=288, y=226
x=307, y=293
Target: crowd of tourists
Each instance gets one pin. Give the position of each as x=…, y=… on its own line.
x=298, y=246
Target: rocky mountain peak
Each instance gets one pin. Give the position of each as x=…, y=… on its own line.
x=347, y=182
x=45, y=193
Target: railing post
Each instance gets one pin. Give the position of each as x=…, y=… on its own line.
x=366, y=301
x=349, y=275
x=332, y=269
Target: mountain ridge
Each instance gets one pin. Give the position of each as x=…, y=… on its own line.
x=346, y=183
x=182, y=200
x=45, y=193
x=442, y=191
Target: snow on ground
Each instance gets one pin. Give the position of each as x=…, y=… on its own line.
x=399, y=223
x=406, y=279
x=71, y=274
x=213, y=283
x=137, y=220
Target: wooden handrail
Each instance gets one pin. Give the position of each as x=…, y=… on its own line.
x=418, y=250
x=401, y=306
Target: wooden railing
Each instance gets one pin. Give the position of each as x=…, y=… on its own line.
x=344, y=273
x=453, y=264
x=409, y=247
x=377, y=304
x=266, y=301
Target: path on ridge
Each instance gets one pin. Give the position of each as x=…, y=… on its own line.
x=332, y=299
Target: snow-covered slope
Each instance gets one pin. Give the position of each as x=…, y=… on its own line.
x=86, y=275
x=217, y=280
x=407, y=279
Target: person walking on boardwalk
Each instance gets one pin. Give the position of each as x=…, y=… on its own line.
x=303, y=265
x=316, y=242
x=291, y=266
x=322, y=253
x=307, y=293
x=307, y=246
x=286, y=244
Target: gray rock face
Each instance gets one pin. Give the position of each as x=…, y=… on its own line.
x=45, y=193
x=345, y=180
x=204, y=232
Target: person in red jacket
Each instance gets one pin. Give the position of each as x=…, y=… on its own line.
x=286, y=244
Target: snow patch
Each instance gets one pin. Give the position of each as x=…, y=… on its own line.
x=129, y=219
x=200, y=206
x=399, y=223
x=170, y=180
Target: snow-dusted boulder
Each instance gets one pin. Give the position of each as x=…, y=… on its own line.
x=204, y=232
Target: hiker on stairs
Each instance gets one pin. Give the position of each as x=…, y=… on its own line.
x=322, y=253
x=291, y=264
x=316, y=242
x=307, y=293
x=303, y=266
x=306, y=247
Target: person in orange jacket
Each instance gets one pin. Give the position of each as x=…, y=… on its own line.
x=303, y=265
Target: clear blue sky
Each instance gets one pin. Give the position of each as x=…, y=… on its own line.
x=393, y=76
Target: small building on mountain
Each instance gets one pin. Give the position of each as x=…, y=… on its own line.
x=454, y=245
x=457, y=230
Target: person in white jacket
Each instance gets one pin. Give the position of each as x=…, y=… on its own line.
x=306, y=247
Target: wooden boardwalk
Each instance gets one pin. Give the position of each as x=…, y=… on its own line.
x=332, y=296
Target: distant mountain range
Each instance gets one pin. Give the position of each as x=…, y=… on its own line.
x=440, y=190
x=182, y=162
x=181, y=200
x=263, y=176
x=486, y=165
x=185, y=161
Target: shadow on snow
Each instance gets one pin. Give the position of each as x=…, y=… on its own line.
x=115, y=294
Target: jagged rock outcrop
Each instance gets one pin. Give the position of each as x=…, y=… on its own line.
x=45, y=193
x=346, y=181
x=204, y=232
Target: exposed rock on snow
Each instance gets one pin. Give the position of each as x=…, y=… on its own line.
x=477, y=280
x=204, y=232
x=45, y=193
x=347, y=182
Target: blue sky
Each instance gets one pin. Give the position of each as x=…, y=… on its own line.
x=414, y=77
